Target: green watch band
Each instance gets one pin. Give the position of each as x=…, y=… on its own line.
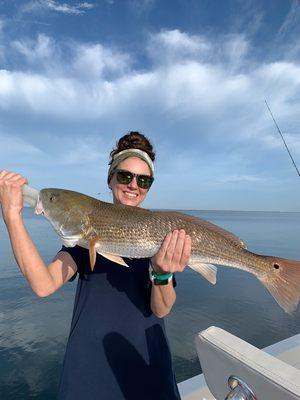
x=161, y=277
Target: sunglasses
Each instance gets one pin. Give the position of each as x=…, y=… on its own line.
x=125, y=177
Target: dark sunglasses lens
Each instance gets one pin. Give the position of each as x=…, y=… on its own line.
x=144, y=181
x=124, y=177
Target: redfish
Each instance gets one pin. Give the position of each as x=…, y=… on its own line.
x=117, y=231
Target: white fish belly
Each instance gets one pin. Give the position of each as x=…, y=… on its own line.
x=130, y=251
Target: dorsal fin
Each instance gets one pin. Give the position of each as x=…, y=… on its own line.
x=228, y=235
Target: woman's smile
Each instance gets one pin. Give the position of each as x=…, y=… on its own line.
x=130, y=194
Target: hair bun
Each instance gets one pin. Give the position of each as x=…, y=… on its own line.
x=134, y=140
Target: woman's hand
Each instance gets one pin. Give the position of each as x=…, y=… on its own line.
x=174, y=253
x=11, y=199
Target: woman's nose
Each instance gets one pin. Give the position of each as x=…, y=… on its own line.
x=133, y=184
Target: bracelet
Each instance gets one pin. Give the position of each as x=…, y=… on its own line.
x=160, y=277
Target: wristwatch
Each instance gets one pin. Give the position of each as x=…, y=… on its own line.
x=159, y=279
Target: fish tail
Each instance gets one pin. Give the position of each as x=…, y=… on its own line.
x=283, y=282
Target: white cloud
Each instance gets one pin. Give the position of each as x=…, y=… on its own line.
x=68, y=9
x=94, y=60
x=98, y=82
x=65, y=8
x=174, y=44
x=88, y=61
x=42, y=49
x=249, y=17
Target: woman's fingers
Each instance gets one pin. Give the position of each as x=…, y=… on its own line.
x=3, y=173
x=174, y=252
x=186, y=252
x=9, y=177
x=18, y=181
x=10, y=192
x=182, y=251
x=171, y=248
x=159, y=259
x=165, y=244
x=178, y=247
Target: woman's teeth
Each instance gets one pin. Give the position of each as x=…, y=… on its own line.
x=130, y=194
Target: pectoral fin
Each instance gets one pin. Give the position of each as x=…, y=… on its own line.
x=92, y=253
x=209, y=271
x=115, y=259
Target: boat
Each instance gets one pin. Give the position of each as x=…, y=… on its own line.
x=234, y=369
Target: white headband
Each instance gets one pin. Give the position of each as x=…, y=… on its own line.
x=122, y=155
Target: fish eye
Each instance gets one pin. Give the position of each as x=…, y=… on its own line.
x=52, y=197
x=276, y=266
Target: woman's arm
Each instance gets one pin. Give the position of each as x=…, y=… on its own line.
x=42, y=280
x=173, y=256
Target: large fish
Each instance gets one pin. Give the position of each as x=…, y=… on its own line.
x=117, y=231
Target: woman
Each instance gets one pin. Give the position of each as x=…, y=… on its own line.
x=117, y=348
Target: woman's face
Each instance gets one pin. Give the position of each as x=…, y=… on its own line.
x=131, y=194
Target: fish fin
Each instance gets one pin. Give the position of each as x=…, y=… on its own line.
x=92, y=253
x=209, y=271
x=284, y=283
x=116, y=259
x=228, y=235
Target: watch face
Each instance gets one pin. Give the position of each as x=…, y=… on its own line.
x=160, y=282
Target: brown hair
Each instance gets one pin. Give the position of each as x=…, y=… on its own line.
x=134, y=140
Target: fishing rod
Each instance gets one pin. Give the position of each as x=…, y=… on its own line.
x=286, y=146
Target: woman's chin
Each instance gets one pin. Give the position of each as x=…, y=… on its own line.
x=128, y=202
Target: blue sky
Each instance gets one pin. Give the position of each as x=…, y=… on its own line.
x=190, y=74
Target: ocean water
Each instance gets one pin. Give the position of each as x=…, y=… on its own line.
x=33, y=331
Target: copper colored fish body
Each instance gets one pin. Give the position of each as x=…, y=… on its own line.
x=117, y=231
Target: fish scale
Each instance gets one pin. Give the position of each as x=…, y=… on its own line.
x=117, y=231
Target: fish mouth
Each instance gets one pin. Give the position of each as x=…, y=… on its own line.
x=39, y=208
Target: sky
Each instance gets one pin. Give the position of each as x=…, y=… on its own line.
x=192, y=75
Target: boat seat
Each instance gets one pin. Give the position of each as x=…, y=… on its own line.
x=222, y=355
x=287, y=350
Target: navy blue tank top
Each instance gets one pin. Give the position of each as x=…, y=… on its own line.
x=117, y=348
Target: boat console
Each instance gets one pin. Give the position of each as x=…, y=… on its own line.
x=234, y=369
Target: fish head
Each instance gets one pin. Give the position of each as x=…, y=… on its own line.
x=64, y=209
